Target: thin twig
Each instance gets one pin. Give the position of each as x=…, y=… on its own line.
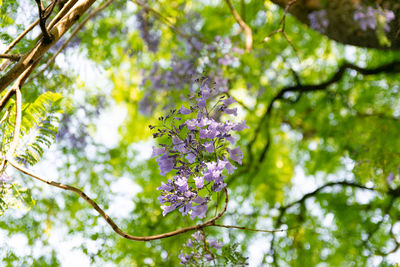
x=74, y=32
x=11, y=57
x=281, y=27
x=42, y=22
x=250, y=229
x=19, y=38
x=247, y=30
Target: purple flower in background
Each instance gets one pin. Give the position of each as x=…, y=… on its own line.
x=390, y=178
x=319, y=20
x=198, y=236
x=367, y=18
x=185, y=258
x=198, y=247
x=208, y=257
x=216, y=244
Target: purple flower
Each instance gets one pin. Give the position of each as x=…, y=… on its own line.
x=168, y=209
x=190, y=157
x=209, y=146
x=198, y=236
x=240, y=126
x=199, y=211
x=318, y=20
x=192, y=124
x=228, y=101
x=184, y=110
x=189, y=243
x=165, y=187
x=203, y=133
x=390, y=178
x=230, y=138
x=208, y=257
x=369, y=18
x=236, y=154
x=157, y=151
x=165, y=163
x=228, y=166
x=218, y=186
x=214, y=243
x=231, y=111
x=185, y=258
x=201, y=103
x=199, y=182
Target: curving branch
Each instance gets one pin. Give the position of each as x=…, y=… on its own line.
x=330, y=184
x=247, y=30
x=301, y=201
x=250, y=229
x=113, y=225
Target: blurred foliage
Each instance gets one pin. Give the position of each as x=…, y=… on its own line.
x=111, y=76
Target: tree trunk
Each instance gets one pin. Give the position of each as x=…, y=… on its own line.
x=342, y=25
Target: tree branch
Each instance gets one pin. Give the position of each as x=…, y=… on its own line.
x=62, y=13
x=37, y=52
x=392, y=67
x=250, y=229
x=42, y=20
x=74, y=32
x=11, y=57
x=330, y=184
x=247, y=30
x=113, y=225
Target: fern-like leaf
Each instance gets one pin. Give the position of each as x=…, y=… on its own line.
x=39, y=127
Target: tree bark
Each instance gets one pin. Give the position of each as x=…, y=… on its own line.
x=342, y=27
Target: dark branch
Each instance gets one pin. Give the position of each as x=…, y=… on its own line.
x=12, y=57
x=393, y=67
x=316, y=191
x=42, y=20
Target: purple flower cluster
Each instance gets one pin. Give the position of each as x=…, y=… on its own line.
x=147, y=30
x=370, y=18
x=319, y=20
x=196, y=145
x=197, y=243
x=182, y=67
